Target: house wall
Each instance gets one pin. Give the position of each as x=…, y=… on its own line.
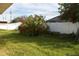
x=63, y=27
x=11, y=26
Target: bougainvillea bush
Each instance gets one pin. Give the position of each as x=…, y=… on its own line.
x=34, y=25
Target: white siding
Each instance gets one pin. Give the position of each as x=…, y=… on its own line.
x=63, y=27
x=11, y=26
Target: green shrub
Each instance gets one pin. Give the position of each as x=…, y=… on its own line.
x=18, y=19
x=34, y=25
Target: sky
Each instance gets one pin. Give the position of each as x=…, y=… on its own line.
x=48, y=10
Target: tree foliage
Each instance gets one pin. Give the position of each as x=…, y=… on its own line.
x=18, y=19
x=69, y=11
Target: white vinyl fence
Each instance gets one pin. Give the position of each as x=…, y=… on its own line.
x=11, y=26
x=63, y=27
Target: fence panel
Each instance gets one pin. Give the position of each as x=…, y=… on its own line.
x=11, y=26
x=63, y=27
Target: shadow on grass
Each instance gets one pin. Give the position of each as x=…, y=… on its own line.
x=46, y=41
x=2, y=42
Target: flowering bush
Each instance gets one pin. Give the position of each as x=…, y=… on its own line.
x=34, y=25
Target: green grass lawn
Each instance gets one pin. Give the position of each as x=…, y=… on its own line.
x=12, y=43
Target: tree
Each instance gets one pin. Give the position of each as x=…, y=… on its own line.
x=69, y=11
x=18, y=19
